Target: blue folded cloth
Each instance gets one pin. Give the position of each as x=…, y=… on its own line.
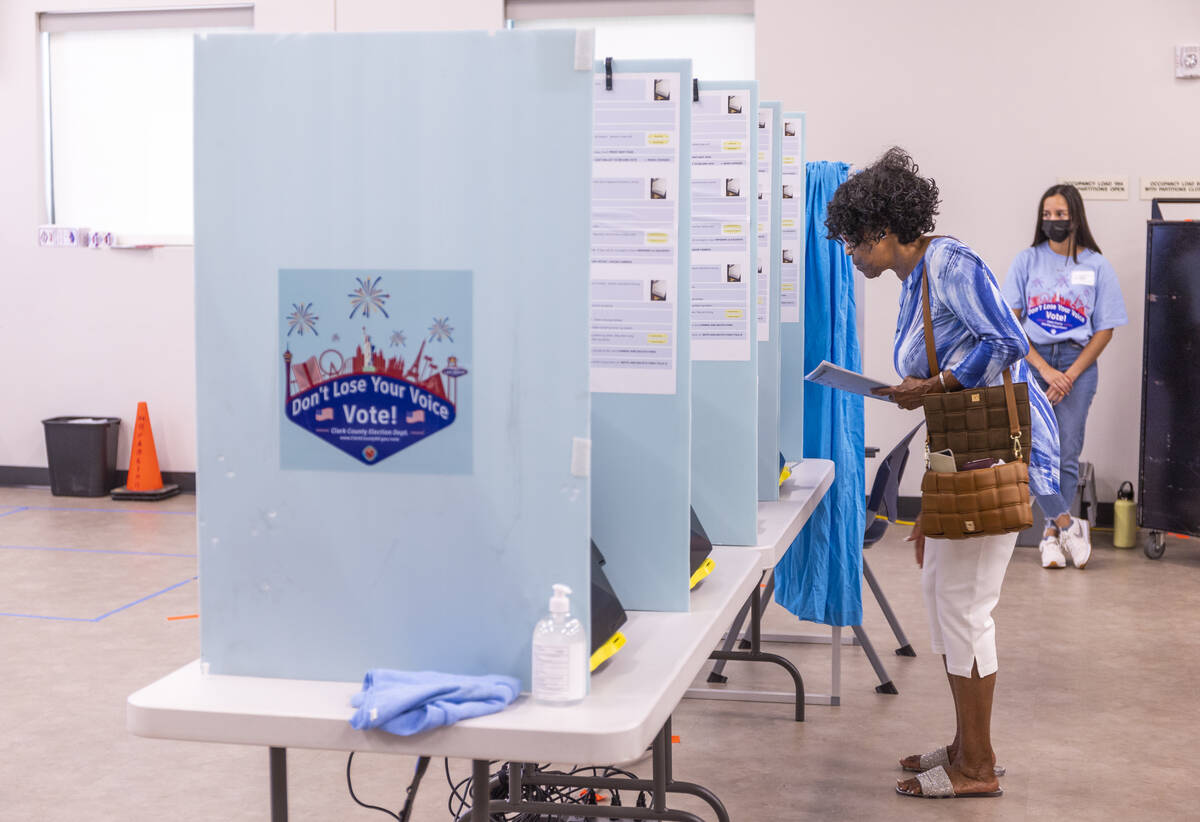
x=408, y=702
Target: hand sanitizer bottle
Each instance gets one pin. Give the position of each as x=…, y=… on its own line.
x=559, y=654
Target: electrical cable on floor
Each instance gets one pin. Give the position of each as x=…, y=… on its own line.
x=350, y=785
x=459, y=800
x=410, y=793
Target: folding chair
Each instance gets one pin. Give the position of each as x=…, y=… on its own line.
x=884, y=499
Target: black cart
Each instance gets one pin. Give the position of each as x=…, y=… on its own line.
x=1169, y=464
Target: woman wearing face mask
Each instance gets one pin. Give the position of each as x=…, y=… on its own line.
x=1069, y=301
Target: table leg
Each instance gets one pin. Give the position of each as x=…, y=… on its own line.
x=755, y=654
x=698, y=791
x=481, y=790
x=835, y=673
x=569, y=810
x=662, y=747
x=717, y=674
x=516, y=787
x=279, y=803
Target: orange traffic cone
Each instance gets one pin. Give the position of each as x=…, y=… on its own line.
x=145, y=480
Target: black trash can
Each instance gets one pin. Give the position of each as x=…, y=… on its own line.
x=82, y=452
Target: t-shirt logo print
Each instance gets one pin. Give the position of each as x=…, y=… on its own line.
x=1058, y=313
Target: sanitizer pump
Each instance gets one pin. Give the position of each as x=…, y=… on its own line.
x=559, y=653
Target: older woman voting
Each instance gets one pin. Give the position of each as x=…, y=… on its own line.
x=883, y=215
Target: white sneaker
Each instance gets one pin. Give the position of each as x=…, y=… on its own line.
x=1077, y=542
x=1052, y=555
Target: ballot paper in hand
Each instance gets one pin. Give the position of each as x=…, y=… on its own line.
x=842, y=379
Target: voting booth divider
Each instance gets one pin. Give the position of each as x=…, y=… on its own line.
x=791, y=324
x=467, y=303
x=641, y=373
x=724, y=294
x=392, y=374
x=770, y=248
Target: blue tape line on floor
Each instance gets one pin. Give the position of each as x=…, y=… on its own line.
x=14, y=511
x=39, y=616
x=102, y=616
x=143, y=599
x=92, y=551
x=106, y=511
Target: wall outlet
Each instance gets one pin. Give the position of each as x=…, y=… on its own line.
x=1187, y=61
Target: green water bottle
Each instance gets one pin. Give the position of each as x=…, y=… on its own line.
x=1124, y=518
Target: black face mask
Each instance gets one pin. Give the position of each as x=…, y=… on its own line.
x=1056, y=230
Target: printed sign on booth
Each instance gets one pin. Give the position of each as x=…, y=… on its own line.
x=376, y=363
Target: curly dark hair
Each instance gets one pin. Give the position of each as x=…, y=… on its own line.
x=888, y=195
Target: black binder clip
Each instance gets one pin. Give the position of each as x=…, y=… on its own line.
x=608, y=74
x=695, y=90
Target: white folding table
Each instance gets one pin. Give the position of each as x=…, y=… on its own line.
x=629, y=708
x=779, y=523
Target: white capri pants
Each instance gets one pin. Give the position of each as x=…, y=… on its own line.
x=961, y=580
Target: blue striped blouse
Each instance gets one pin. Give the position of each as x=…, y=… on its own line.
x=976, y=336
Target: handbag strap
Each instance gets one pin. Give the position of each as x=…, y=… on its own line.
x=1014, y=421
x=1010, y=395
x=930, y=350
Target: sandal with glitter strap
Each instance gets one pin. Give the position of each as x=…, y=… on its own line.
x=935, y=784
x=940, y=757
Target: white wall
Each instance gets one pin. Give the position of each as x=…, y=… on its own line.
x=995, y=102
x=419, y=15
x=94, y=332
x=994, y=107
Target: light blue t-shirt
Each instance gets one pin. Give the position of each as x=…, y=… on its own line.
x=1061, y=299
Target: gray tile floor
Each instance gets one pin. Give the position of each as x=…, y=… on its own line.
x=1096, y=717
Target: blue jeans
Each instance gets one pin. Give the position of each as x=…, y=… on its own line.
x=1072, y=420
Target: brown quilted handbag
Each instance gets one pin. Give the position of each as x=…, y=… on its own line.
x=975, y=423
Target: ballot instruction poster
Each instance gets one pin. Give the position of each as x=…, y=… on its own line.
x=766, y=127
x=791, y=220
x=635, y=236
x=723, y=188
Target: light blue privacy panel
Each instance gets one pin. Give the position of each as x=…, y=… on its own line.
x=791, y=326
x=641, y=442
x=401, y=219
x=725, y=390
x=768, y=349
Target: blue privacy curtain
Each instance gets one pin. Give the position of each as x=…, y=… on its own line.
x=819, y=579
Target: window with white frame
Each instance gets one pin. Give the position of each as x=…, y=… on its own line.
x=718, y=35
x=117, y=117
